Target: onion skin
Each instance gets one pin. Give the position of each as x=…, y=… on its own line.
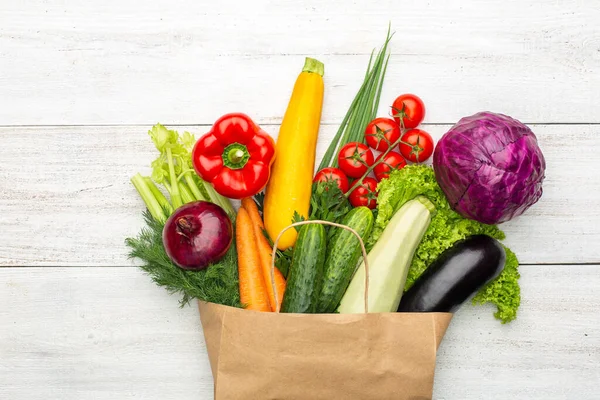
x=197, y=235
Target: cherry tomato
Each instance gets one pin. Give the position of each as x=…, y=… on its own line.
x=365, y=194
x=410, y=108
x=381, y=133
x=333, y=174
x=354, y=159
x=392, y=161
x=416, y=145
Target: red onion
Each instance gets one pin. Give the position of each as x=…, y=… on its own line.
x=197, y=234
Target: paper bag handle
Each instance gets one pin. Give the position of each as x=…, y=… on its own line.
x=320, y=222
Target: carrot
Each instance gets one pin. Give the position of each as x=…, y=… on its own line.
x=265, y=252
x=252, y=284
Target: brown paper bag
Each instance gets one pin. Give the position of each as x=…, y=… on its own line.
x=268, y=356
x=272, y=356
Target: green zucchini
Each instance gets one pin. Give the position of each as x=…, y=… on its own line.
x=306, y=272
x=343, y=252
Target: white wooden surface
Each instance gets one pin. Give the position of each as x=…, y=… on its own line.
x=81, y=82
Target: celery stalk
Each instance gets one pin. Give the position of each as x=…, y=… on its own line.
x=175, y=195
x=146, y=193
x=186, y=194
x=189, y=180
x=162, y=200
x=216, y=198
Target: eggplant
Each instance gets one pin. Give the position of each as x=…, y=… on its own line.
x=456, y=275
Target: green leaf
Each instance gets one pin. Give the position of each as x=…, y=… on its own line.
x=160, y=172
x=503, y=292
x=284, y=258
x=327, y=202
x=188, y=141
x=284, y=261
x=297, y=218
x=162, y=137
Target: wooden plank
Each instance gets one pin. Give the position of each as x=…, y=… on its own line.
x=550, y=352
x=65, y=196
x=106, y=333
x=190, y=61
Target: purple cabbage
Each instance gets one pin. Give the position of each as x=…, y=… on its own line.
x=490, y=167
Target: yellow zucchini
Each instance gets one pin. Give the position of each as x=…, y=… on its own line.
x=290, y=185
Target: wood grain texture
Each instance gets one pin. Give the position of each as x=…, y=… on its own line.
x=109, y=333
x=66, y=198
x=184, y=62
x=80, y=324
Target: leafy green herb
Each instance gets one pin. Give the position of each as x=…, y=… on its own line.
x=284, y=258
x=327, y=202
x=297, y=218
x=446, y=228
x=284, y=261
x=217, y=284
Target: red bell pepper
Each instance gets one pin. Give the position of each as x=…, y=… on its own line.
x=235, y=156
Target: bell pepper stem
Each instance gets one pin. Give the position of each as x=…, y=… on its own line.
x=235, y=156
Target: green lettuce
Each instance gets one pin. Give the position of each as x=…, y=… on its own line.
x=446, y=228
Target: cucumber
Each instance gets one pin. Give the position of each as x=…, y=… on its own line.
x=343, y=252
x=306, y=272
